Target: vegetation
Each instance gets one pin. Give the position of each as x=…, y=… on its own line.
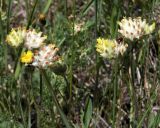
x=79, y=63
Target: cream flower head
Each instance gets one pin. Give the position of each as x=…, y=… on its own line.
x=16, y=37
x=34, y=39
x=120, y=48
x=134, y=28
x=46, y=56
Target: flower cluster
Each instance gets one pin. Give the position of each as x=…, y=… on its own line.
x=110, y=48
x=38, y=54
x=135, y=28
x=30, y=38
x=46, y=56
x=34, y=39
x=130, y=28
x=16, y=37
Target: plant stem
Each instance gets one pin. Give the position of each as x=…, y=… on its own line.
x=115, y=86
x=63, y=116
x=41, y=89
x=97, y=59
x=8, y=22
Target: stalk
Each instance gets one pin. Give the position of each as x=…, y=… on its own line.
x=97, y=59
x=115, y=87
x=49, y=86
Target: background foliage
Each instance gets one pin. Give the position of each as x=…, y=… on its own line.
x=92, y=92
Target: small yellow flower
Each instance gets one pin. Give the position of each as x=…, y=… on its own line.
x=106, y=47
x=16, y=37
x=27, y=57
x=149, y=28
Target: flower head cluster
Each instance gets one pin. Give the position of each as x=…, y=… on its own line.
x=110, y=48
x=46, y=56
x=134, y=28
x=31, y=38
x=34, y=39
x=16, y=37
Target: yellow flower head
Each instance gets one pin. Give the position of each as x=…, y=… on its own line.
x=149, y=28
x=16, y=37
x=27, y=57
x=106, y=47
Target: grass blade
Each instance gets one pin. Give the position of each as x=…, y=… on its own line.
x=63, y=116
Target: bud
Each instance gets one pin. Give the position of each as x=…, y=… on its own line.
x=42, y=19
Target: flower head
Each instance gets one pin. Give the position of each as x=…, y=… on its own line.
x=134, y=28
x=27, y=57
x=106, y=47
x=16, y=37
x=120, y=48
x=34, y=39
x=110, y=48
x=149, y=28
x=46, y=56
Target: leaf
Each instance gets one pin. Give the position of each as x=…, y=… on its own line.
x=47, y=6
x=87, y=114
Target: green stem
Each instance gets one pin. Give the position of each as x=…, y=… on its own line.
x=132, y=114
x=149, y=108
x=8, y=14
x=20, y=107
x=41, y=89
x=49, y=2
x=31, y=15
x=96, y=31
x=63, y=116
x=72, y=53
x=115, y=86
x=8, y=22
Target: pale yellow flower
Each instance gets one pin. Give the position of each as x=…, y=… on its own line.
x=27, y=57
x=106, y=47
x=149, y=28
x=16, y=37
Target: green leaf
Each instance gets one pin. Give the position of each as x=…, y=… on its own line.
x=86, y=8
x=87, y=114
x=47, y=6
